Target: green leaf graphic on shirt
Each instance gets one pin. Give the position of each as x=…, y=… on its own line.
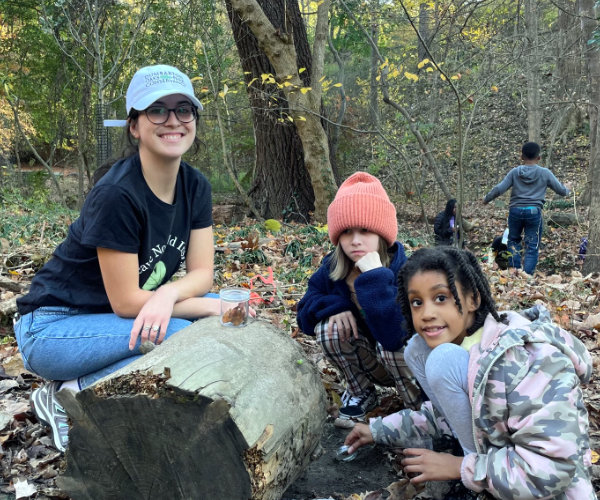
x=157, y=276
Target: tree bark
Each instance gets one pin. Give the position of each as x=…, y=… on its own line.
x=277, y=32
x=214, y=412
x=534, y=117
x=374, y=114
x=424, y=30
x=589, y=24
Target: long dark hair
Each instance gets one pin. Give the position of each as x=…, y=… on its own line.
x=450, y=206
x=459, y=266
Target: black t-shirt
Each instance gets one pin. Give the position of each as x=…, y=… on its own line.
x=122, y=213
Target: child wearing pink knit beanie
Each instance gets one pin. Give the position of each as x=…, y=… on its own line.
x=350, y=303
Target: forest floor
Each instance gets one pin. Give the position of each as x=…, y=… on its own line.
x=29, y=464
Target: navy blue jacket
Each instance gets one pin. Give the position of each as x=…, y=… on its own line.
x=376, y=292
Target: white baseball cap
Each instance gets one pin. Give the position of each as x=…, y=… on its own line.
x=150, y=83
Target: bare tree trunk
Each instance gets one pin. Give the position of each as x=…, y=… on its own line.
x=533, y=78
x=374, y=114
x=280, y=45
x=589, y=23
x=83, y=139
x=568, y=77
x=568, y=57
x=335, y=128
x=424, y=30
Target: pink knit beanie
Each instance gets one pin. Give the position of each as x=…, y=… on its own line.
x=361, y=201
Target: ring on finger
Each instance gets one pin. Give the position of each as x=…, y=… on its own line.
x=146, y=328
x=155, y=328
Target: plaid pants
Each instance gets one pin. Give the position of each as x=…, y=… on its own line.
x=363, y=365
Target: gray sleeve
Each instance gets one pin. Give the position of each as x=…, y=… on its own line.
x=500, y=188
x=554, y=184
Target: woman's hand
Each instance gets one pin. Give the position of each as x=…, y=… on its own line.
x=153, y=319
x=359, y=436
x=346, y=325
x=431, y=465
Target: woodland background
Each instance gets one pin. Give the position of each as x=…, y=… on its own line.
x=433, y=97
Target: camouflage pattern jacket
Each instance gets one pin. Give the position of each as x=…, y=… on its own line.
x=529, y=420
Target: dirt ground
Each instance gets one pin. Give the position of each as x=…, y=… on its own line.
x=326, y=477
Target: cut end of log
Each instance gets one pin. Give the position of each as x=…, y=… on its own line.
x=210, y=413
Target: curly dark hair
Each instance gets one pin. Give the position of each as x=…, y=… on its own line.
x=459, y=266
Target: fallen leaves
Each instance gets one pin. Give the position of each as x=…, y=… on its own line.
x=278, y=265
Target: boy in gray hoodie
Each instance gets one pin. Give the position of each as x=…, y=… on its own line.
x=529, y=182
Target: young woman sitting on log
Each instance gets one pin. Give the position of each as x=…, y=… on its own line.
x=107, y=289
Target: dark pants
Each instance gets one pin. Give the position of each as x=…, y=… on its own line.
x=527, y=220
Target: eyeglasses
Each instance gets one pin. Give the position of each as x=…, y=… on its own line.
x=160, y=114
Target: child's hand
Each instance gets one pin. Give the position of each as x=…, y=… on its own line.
x=359, y=436
x=346, y=325
x=430, y=465
x=369, y=261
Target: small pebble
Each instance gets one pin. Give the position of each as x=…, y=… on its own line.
x=146, y=347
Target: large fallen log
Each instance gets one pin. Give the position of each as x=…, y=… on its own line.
x=212, y=413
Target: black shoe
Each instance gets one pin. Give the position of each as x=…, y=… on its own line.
x=358, y=406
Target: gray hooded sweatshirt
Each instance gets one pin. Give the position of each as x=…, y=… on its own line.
x=529, y=184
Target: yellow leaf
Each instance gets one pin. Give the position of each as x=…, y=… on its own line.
x=422, y=63
x=301, y=70
x=429, y=69
x=301, y=118
x=442, y=77
x=304, y=90
x=322, y=78
x=411, y=76
x=335, y=397
x=455, y=77
x=287, y=84
x=265, y=77
x=290, y=118
x=494, y=88
x=252, y=81
x=196, y=78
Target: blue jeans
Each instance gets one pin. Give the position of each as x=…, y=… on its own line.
x=63, y=343
x=528, y=220
x=442, y=373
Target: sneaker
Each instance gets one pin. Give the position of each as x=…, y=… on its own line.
x=357, y=406
x=49, y=412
